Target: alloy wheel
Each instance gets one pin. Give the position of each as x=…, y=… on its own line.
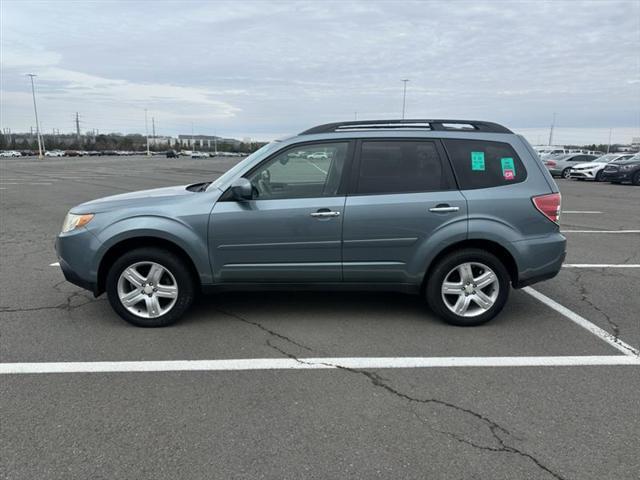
x=470, y=289
x=147, y=289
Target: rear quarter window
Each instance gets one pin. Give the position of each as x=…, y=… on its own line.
x=484, y=164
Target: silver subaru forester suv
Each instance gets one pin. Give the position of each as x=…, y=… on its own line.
x=455, y=210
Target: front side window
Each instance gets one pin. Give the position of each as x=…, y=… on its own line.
x=484, y=164
x=305, y=171
x=401, y=166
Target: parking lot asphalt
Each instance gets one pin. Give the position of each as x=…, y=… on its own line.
x=498, y=422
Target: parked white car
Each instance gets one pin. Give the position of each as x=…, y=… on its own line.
x=593, y=170
x=54, y=153
x=10, y=153
x=318, y=156
x=199, y=155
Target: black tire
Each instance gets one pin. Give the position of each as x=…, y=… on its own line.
x=445, y=265
x=636, y=178
x=174, y=264
x=599, y=176
x=565, y=173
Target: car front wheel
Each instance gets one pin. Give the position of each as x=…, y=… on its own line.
x=636, y=178
x=150, y=287
x=468, y=287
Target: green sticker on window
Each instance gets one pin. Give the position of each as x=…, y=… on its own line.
x=477, y=161
x=507, y=164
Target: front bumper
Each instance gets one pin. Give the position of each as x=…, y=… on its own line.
x=617, y=176
x=584, y=174
x=76, y=251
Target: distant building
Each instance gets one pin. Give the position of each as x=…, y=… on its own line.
x=207, y=142
x=158, y=141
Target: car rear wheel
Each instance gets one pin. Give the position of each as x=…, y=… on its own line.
x=150, y=287
x=599, y=176
x=468, y=287
x=566, y=173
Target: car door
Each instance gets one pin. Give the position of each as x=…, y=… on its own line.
x=401, y=194
x=290, y=231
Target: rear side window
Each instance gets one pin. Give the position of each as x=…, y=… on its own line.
x=483, y=164
x=401, y=166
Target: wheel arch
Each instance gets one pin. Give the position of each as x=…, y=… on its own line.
x=128, y=244
x=488, y=245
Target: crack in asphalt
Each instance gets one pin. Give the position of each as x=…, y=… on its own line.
x=503, y=448
x=68, y=305
x=380, y=382
x=584, y=293
x=265, y=329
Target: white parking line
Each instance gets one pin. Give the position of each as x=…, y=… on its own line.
x=314, y=165
x=601, y=265
x=26, y=183
x=580, y=211
x=584, y=323
x=314, y=364
x=599, y=231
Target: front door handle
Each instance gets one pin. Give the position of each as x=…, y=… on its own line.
x=325, y=213
x=443, y=208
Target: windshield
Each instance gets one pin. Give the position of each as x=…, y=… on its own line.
x=635, y=158
x=229, y=174
x=607, y=157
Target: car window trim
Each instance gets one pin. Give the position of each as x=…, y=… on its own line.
x=447, y=170
x=226, y=196
x=457, y=180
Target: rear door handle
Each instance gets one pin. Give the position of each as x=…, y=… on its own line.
x=443, y=209
x=325, y=213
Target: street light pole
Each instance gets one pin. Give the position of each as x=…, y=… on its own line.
x=146, y=131
x=553, y=124
x=404, y=96
x=35, y=109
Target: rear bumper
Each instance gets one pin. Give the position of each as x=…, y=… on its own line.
x=539, y=259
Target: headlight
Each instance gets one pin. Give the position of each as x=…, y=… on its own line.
x=624, y=168
x=73, y=221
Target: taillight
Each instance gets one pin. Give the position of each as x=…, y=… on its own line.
x=550, y=163
x=549, y=205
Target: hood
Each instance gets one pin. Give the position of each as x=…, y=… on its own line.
x=134, y=199
x=590, y=164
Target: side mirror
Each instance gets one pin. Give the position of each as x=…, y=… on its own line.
x=241, y=189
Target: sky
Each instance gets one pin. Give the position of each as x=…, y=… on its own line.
x=264, y=69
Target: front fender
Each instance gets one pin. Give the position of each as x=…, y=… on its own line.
x=189, y=239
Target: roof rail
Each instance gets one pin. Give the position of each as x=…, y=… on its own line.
x=413, y=124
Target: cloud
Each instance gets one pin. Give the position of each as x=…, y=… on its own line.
x=256, y=66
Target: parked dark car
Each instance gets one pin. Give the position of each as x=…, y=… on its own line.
x=172, y=154
x=72, y=153
x=623, y=171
